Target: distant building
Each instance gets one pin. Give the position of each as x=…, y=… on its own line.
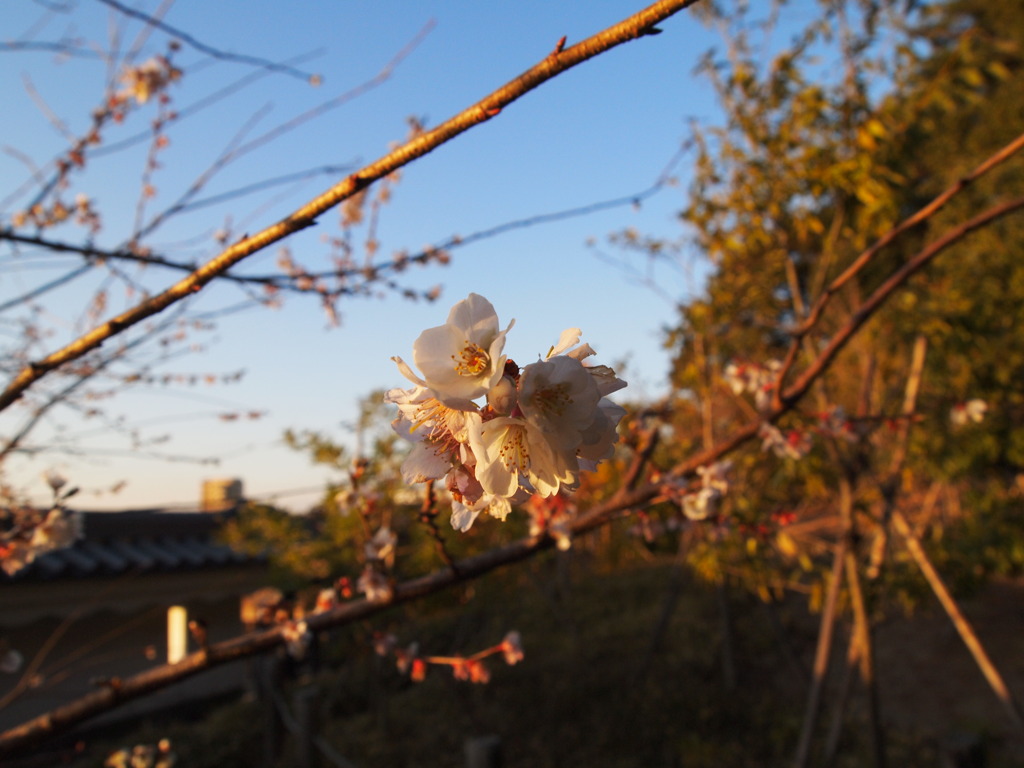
x=221, y=494
x=100, y=609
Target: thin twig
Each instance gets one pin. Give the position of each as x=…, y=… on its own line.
x=210, y=50
x=428, y=515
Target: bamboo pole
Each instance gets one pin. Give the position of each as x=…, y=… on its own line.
x=963, y=626
x=822, y=655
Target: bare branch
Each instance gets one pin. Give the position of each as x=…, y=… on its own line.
x=210, y=50
x=68, y=48
x=898, y=278
x=906, y=225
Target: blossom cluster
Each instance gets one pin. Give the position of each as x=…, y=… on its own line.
x=970, y=411
x=26, y=533
x=410, y=661
x=759, y=380
x=147, y=79
x=714, y=484
x=535, y=430
x=33, y=535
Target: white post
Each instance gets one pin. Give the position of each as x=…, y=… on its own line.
x=177, y=633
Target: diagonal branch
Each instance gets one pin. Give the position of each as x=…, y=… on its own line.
x=636, y=26
x=939, y=202
x=896, y=280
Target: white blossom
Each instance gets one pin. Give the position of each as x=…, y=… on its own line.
x=560, y=397
x=461, y=360
x=537, y=428
x=381, y=545
x=791, y=445
x=374, y=585
x=507, y=449
x=512, y=648
x=970, y=411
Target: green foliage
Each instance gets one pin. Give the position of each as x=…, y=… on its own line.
x=826, y=144
x=301, y=549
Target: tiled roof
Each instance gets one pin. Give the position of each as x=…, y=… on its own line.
x=140, y=541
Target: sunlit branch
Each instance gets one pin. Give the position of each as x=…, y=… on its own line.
x=236, y=149
x=14, y=443
x=561, y=59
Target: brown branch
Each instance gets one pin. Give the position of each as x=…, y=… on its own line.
x=635, y=26
x=896, y=280
x=644, y=450
x=907, y=224
x=929, y=210
x=248, y=645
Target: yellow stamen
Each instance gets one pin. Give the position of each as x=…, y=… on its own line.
x=472, y=361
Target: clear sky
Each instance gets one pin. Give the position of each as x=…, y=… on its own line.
x=604, y=130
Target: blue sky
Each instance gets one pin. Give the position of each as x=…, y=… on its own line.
x=604, y=130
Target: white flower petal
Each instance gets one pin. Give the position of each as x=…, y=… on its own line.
x=426, y=461
x=570, y=338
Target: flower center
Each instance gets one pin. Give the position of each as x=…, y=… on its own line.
x=514, y=453
x=553, y=399
x=471, y=361
x=445, y=424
